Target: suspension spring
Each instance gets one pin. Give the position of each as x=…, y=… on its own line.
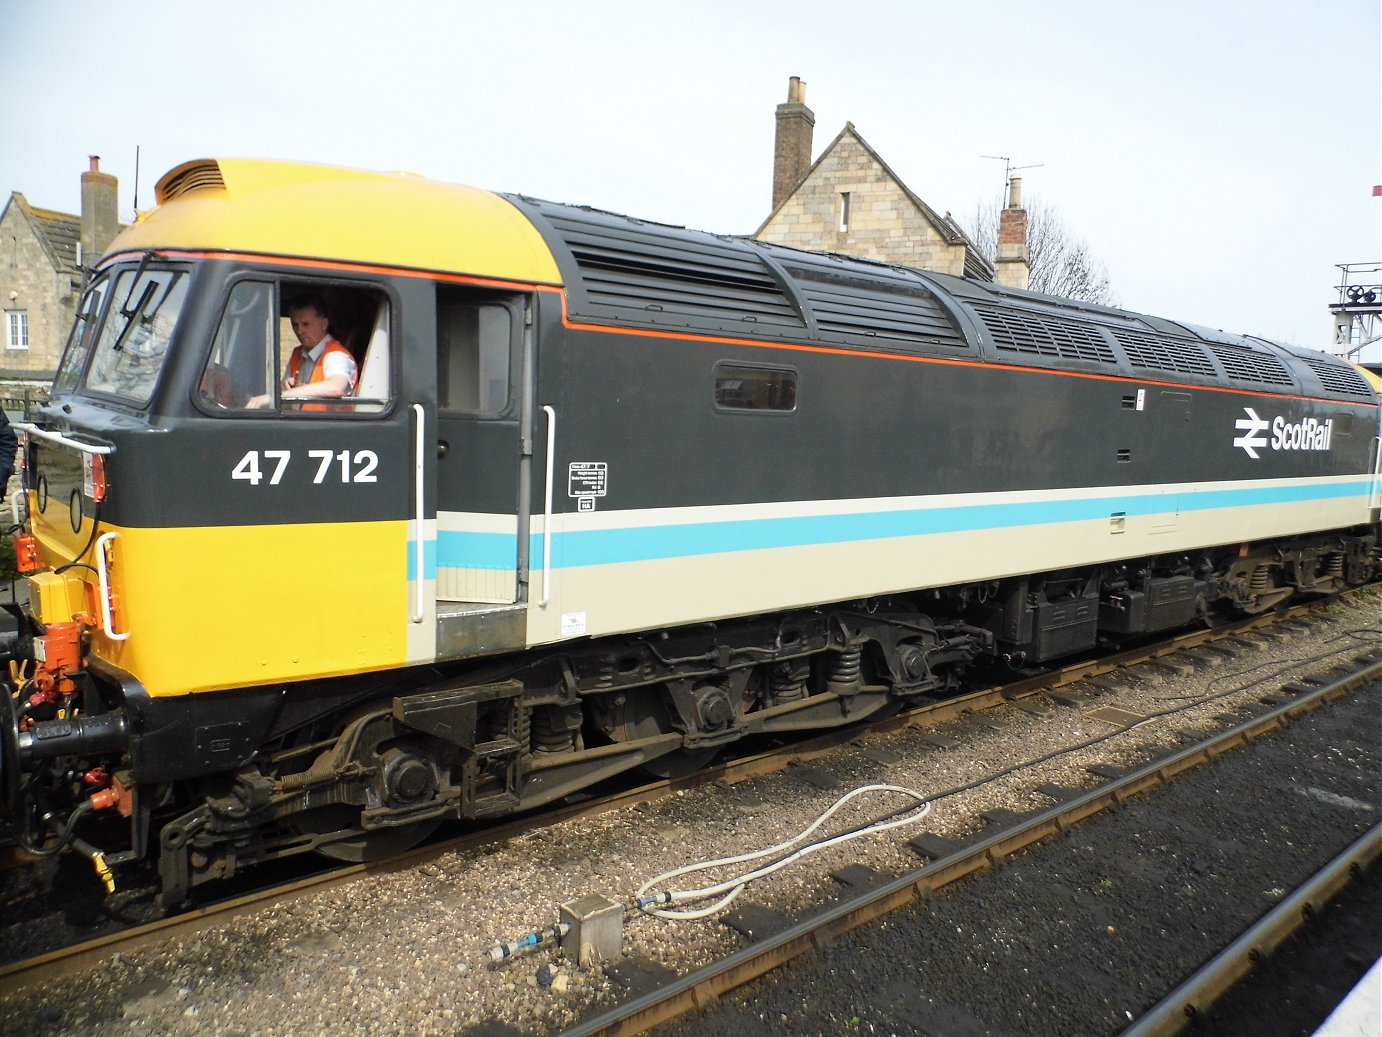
x=845, y=668
x=522, y=722
x=549, y=734
x=786, y=683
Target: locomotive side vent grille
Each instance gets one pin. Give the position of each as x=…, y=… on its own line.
x=666, y=277
x=1244, y=365
x=1340, y=379
x=1164, y=354
x=878, y=312
x=1019, y=332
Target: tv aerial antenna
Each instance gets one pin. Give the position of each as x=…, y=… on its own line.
x=1009, y=169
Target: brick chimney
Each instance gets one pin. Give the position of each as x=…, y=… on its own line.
x=792, y=148
x=100, y=223
x=1013, y=267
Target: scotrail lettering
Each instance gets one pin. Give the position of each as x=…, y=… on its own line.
x=1306, y=434
x=1303, y=435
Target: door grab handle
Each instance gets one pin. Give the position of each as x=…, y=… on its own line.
x=547, y=511
x=419, y=610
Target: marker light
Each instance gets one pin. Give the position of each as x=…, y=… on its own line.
x=94, y=477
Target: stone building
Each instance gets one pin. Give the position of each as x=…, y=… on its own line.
x=850, y=201
x=42, y=255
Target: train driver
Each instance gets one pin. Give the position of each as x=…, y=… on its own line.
x=320, y=367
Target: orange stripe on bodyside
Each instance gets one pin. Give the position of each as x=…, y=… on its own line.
x=986, y=365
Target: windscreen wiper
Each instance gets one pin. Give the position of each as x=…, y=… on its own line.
x=125, y=310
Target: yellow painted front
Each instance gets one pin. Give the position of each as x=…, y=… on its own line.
x=326, y=212
x=229, y=606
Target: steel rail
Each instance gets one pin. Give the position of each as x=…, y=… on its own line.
x=81, y=957
x=1184, y=1006
x=703, y=986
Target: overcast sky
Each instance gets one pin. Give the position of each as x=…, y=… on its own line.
x=1218, y=156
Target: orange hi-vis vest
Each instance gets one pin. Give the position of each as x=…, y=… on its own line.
x=318, y=375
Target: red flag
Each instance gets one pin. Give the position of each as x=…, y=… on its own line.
x=1376, y=190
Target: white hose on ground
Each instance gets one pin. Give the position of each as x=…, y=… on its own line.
x=728, y=889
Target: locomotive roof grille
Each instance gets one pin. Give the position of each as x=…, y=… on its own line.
x=893, y=312
x=620, y=270
x=1247, y=365
x=1018, y=332
x=1164, y=354
x=668, y=276
x=1340, y=378
x=195, y=177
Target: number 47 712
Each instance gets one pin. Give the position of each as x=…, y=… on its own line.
x=350, y=468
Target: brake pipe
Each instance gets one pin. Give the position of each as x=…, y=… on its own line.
x=65, y=831
x=502, y=951
x=98, y=861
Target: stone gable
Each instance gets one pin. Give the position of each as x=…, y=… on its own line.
x=851, y=202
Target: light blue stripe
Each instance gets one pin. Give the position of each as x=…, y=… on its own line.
x=646, y=543
x=456, y=550
x=429, y=560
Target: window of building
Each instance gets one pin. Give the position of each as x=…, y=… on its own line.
x=844, y=212
x=16, y=329
x=741, y=387
x=252, y=353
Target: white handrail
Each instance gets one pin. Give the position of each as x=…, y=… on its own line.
x=103, y=575
x=547, y=511
x=419, y=610
x=1375, y=491
x=58, y=437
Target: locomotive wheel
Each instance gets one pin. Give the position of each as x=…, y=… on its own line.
x=645, y=714
x=356, y=845
x=679, y=763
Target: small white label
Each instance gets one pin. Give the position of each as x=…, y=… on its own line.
x=1141, y=398
x=585, y=503
x=572, y=624
x=587, y=478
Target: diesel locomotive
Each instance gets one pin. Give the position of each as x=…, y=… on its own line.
x=608, y=494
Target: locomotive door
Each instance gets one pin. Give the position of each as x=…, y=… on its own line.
x=1172, y=444
x=480, y=509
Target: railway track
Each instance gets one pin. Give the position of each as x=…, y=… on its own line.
x=76, y=959
x=763, y=956
x=1196, y=997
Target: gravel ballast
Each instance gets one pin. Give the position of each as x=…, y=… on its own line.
x=408, y=952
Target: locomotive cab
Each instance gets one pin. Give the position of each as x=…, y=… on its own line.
x=213, y=566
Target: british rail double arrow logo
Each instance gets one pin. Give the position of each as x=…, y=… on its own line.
x=1253, y=429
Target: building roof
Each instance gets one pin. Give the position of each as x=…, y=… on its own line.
x=950, y=232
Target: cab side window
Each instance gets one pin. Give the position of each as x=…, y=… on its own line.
x=254, y=342
x=242, y=355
